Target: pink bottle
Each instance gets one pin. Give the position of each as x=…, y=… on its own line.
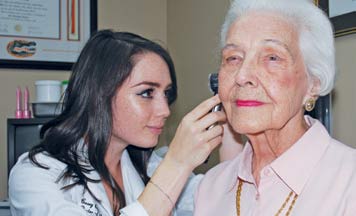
x=26, y=111
x=18, y=112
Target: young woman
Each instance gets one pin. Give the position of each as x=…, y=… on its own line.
x=97, y=157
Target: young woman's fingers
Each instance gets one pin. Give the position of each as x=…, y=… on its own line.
x=213, y=143
x=210, y=119
x=207, y=148
x=202, y=109
x=208, y=135
x=213, y=132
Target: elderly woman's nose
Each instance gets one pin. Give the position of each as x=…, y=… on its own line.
x=246, y=75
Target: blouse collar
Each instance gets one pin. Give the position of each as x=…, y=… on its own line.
x=294, y=166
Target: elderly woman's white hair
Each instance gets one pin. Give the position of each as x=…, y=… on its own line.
x=316, y=39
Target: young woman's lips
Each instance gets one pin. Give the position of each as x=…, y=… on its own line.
x=156, y=129
x=248, y=103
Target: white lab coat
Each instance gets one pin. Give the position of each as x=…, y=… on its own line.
x=34, y=191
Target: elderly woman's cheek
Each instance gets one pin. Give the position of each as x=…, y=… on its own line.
x=225, y=92
x=224, y=86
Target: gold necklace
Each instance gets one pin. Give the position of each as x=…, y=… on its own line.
x=238, y=199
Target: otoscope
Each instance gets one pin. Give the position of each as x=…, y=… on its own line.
x=214, y=87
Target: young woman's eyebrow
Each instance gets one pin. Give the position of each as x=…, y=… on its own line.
x=153, y=84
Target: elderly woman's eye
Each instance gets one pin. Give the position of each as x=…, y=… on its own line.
x=274, y=58
x=232, y=59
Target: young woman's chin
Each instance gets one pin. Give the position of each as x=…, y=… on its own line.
x=147, y=142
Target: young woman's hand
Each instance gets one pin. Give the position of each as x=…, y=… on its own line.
x=192, y=142
x=189, y=148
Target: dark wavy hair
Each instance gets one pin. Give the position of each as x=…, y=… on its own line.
x=105, y=62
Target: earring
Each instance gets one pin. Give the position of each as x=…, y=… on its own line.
x=309, y=105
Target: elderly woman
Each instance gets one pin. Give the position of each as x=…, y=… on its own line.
x=277, y=58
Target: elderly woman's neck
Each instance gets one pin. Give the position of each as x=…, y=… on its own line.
x=270, y=144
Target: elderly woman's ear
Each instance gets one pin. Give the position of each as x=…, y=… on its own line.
x=312, y=94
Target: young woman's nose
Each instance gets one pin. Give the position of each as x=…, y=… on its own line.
x=162, y=107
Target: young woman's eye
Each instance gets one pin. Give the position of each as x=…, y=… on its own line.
x=146, y=93
x=169, y=94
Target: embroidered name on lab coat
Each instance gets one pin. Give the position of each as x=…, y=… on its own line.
x=91, y=208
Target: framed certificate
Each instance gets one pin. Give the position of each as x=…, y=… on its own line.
x=45, y=34
x=342, y=14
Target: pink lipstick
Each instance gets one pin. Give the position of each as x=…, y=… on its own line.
x=18, y=112
x=26, y=111
x=248, y=103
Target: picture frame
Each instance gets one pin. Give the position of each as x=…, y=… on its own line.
x=42, y=34
x=343, y=16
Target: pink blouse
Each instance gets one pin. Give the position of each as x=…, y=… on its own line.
x=319, y=169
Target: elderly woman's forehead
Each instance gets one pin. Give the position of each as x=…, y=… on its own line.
x=274, y=17
x=262, y=25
